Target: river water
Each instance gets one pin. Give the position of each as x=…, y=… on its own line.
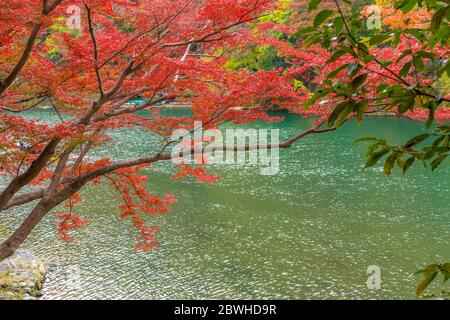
x=309, y=232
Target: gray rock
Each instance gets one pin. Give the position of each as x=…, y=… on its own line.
x=21, y=276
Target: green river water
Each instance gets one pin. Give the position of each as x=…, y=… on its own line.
x=309, y=232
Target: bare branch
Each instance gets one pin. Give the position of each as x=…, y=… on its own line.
x=32, y=172
x=49, y=8
x=25, y=198
x=94, y=41
x=6, y=83
x=132, y=109
x=164, y=157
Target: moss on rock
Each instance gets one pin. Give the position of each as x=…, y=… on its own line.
x=21, y=276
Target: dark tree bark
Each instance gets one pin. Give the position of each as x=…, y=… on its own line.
x=32, y=172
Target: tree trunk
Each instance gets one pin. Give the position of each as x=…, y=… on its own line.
x=10, y=246
x=32, y=172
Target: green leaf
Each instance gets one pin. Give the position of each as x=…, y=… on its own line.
x=334, y=73
x=430, y=268
x=407, y=5
x=437, y=19
x=429, y=278
x=382, y=88
x=359, y=115
x=311, y=40
x=306, y=30
x=446, y=277
x=389, y=164
x=373, y=160
x=338, y=24
x=316, y=96
x=418, y=64
x=404, y=104
x=337, y=111
x=416, y=140
x=353, y=68
x=438, y=36
x=408, y=164
x=404, y=54
x=437, y=162
x=438, y=142
x=418, y=34
x=379, y=38
x=344, y=114
x=445, y=68
x=335, y=56
x=404, y=71
x=446, y=266
x=359, y=81
x=359, y=109
x=364, y=139
x=431, y=117
x=321, y=17
x=313, y=4
x=446, y=271
x=400, y=161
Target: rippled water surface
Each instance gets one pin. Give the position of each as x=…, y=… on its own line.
x=309, y=232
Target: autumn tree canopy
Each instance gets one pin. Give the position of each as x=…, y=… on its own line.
x=157, y=50
x=323, y=61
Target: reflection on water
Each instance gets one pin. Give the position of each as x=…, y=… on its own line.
x=309, y=232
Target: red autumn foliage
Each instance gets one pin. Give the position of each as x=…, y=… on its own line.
x=160, y=50
x=157, y=50
x=309, y=64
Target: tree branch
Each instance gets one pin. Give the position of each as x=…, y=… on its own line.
x=164, y=157
x=33, y=171
x=94, y=41
x=6, y=83
x=71, y=183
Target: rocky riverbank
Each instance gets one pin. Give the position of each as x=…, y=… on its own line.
x=22, y=276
